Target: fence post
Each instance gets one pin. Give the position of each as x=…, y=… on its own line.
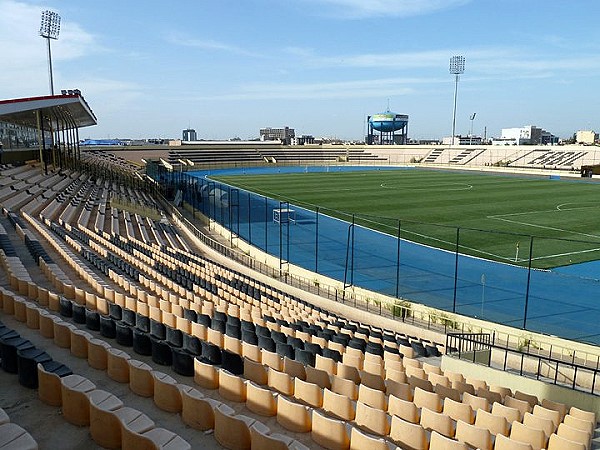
x=456, y=270
x=398, y=262
x=317, y=240
x=528, y=283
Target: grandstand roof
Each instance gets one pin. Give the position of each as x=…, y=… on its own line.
x=65, y=111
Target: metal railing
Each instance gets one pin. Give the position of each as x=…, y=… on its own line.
x=480, y=348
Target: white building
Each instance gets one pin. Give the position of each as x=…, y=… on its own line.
x=528, y=135
x=586, y=137
x=285, y=135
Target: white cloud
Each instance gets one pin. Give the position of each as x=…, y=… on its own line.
x=206, y=44
x=331, y=90
x=364, y=9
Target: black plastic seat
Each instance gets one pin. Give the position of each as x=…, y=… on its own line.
x=158, y=330
x=114, y=311
x=9, y=346
x=190, y=315
x=266, y=343
x=182, y=362
x=27, y=361
x=211, y=354
x=341, y=338
x=305, y=357
x=57, y=368
x=108, y=328
x=374, y=348
x=233, y=330
x=391, y=350
x=315, y=349
x=192, y=344
x=232, y=362
x=357, y=343
x=65, y=307
x=92, y=320
x=263, y=331
x=142, y=322
x=432, y=350
x=123, y=334
x=161, y=351
x=141, y=343
x=245, y=325
x=78, y=313
x=204, y=319
x=403, y=341
x=295, y=342
x=278, y=336
x=418, y=348
x=218, y=325
x=332, y=354
x=174, y=337
x=284, y=350
x=249, y=337
x=219, y=315
x=128, y=316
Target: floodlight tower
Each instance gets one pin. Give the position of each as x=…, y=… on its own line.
x=457, y=66
x=49, y=29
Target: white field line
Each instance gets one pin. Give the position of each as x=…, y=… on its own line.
x=431, y=238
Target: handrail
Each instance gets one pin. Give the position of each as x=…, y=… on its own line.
x=478, y=348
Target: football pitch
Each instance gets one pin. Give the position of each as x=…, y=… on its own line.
x=499, y=217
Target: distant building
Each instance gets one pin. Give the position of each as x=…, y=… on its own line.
x=285, y=135
x=303, y=140
x=528, y=135
x=586, y=137
x=190, y=135
x=463, y=140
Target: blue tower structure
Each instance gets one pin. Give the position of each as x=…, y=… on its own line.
x=392, y=128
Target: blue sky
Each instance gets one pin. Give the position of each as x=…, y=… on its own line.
x=227, y=68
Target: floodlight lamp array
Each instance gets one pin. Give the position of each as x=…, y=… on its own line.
x=50, y=25
x=457, y=65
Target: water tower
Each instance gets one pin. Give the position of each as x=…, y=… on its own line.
x=387, y=128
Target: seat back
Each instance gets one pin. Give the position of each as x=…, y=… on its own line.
x=495, y=424
x=317, y=376
x=404, y=409
x=476, y=437
x=372, y=419
x=440, y=422
x=533, y=436
x=459, y=411
x=339, y=405
x=407, y=434
x=439, y=442
x=360, y=440
x=504, y=443
x=308, y=393
x=573, y=434
x=560, y=443
x=372, y=397
x=521, y=405
x=329, y=432
x=429, y=400
x=476, y=402
x=344, y=387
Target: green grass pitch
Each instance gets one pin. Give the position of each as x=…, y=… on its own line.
x=496, y=214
